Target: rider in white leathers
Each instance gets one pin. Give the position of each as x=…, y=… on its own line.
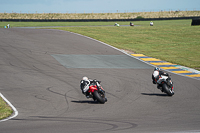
x=85, y=84
x=157, y=75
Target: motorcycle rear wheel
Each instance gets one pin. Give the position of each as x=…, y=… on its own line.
x=98, y=97
x=167, y=90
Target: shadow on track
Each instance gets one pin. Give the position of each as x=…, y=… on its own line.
x=155, y=94
x=89, y=102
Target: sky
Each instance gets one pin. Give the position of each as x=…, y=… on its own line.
x=96, y=6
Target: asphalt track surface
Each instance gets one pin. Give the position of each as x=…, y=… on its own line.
x=47, y=96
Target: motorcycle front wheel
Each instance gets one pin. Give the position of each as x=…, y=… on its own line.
x=99, y=97
x=167, y=90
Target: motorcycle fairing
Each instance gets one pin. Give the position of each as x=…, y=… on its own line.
x=92, y=88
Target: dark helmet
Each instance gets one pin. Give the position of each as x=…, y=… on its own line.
x=157, y=69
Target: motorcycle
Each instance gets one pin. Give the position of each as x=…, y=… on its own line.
x=96, y=92
x=116, y=24
x=131, y=24
x=165, y=84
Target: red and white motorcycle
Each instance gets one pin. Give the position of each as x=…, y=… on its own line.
x=95, y=91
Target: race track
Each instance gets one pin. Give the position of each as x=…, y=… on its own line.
x=40, y=72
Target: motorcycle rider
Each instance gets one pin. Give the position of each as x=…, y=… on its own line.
x=157, y=75
x=84, y=86
x=131, y=24
x=163, y=81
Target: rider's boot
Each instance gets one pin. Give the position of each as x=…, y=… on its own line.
x=160, y=87
x=106, y=99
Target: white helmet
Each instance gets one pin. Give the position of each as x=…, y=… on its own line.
x=85, y=78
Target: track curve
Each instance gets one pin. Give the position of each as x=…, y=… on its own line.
x=48, y=99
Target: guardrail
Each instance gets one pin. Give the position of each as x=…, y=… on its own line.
x=93, y=20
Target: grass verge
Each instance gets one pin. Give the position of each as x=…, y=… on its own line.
x=5, y=109
x=41, y=24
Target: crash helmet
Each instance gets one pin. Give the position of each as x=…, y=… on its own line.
x=85, y=78
x=157, y=69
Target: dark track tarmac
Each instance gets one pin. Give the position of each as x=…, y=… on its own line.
x=48, y=99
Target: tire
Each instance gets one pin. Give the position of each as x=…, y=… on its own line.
x=167, y=90
x=98, y=97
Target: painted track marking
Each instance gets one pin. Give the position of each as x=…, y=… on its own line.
x=174, y=68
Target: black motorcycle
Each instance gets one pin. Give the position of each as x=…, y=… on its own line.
x=165, y=84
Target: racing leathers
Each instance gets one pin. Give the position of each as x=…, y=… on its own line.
x=84, y=86
x=157, y=75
